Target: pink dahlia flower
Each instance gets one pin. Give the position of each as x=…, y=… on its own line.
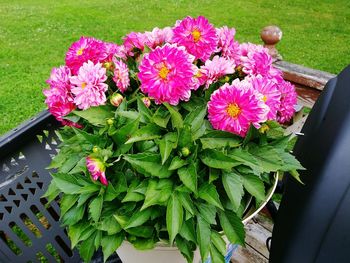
x=270, y=94
x=197, y=35
x=226, y=42
x=111, y=50
x=97, y=169
x=121, y=75
x=166, y=74
x=234, y=108
x=88, y=86
x=59, y=98
x=217, y=68
x=288, y=101
x=134, y=40
x=86, y=48
x=255, y=59
x=158, y=37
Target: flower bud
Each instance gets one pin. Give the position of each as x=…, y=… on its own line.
x=110, y=121
x=116, y=99
x=108, y=65
x=146, y=101
x=95, y=149
x=185, y=151
x=264, y=128
x=97, y=169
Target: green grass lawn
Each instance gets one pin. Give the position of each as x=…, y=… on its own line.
x=34, y=35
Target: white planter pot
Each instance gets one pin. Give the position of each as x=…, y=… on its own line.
x=162, y=253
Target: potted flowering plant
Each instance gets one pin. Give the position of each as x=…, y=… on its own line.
x=166, y=139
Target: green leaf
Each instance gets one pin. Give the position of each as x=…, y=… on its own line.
x=83, y=198
x=233, y=227
x=245, y=158
x=217, y=159
x=296, y=176
x=96, y=115
x=138, y=218
x=141, y=231
x=233, y=185
x=67, y=183
x=208, y=193
x=148, y=164
x=98, y=239
x=208, y=213
x=52, y=192
x=67, y=201
x=268, y=157
x=73, y=216
x=186, y=202
x=110, y=225
x=161, y=117
x=203, y=240
x=110, y=244
x=146, y=113
x=196, y=117
x=167, y=144
x=89, y=189
x=188, y=176
x=177, y=163
x=290, y=163
x=75, y=232
x=86, y=250
x=187, y=231
x=132, y=115
x=174, y=216
x=121, y=219
x=144, y=243
x=185, y=137
x=158, y=192
x=95, y=208
x=214, y=174
x=124, y=133
x=218, y=242
x=254, y=185
x=111, y=193
x=216, y=256
x=184, y=248
x=148, y=132
x=176, y=118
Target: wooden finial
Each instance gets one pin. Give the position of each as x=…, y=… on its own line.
x=271, y=35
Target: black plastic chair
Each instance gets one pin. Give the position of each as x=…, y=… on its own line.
x=313, y=221
x=30, y=230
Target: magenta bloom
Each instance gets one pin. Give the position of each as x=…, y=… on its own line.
x=270, y=94
x=59, y=98
x=121, y=75
x=234, y=108
x=89, y=87
x=197, y=35
x=166, y=74
x=255, y=60
x=226, y=42
x=97, y=169
x=217, y=68
x=288, y=101
x=158, y=37
x=86, y=48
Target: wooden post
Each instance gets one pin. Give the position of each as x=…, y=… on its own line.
x=271, y=35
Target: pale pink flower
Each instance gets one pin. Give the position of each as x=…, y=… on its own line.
x=111, y=50
x=226, y=42
x=158, y=37
x=88, y=86
x=97, y=169
x=234, y=108
x=270, y=94
x=288, y=101
x=255, y=59
x=166, y=74
x=121, y=75
x=134, y=41
x=216, y=68
x=86, y=48
x=58, y=97
x=197, y=35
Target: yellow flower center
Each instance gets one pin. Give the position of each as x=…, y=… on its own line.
x=80, y=51
x=196, y=35
x=198, y=74
x=83, y=85
x=264, y=99
x=163, y=72
x=233, y=110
